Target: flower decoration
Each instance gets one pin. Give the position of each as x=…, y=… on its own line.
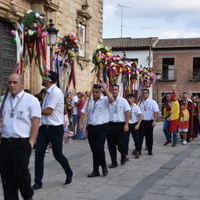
x=130, y=71
x=101, y=56
x=68, y=45
x=34, y=23
x=147, y=78
x=115, y=68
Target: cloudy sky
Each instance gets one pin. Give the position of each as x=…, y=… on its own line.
x=152, y=18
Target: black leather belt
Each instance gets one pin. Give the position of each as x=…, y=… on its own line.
x=50, y=126
x=15, y=139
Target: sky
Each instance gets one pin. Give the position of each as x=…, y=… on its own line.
x=151, y=18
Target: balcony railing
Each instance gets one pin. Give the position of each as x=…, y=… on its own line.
x=195, y=75
x=169, y=75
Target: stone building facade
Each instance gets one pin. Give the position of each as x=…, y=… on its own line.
x=84, y=18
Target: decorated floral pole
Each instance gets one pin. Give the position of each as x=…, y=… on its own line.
x=146, y=79
x=65, y=56
x=100, y=59
x=129, y=77
x=30, y=42
x=115, y=67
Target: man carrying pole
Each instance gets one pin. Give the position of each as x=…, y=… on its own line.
x=97, y=113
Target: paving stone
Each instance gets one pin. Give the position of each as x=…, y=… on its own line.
x=171, y=173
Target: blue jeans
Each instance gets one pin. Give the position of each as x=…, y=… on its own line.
x=167, y=134
x=79, y=134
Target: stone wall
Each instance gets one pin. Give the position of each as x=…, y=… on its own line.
x=66, y=16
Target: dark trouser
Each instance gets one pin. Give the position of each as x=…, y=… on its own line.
x=146, y=129
x=97, y=137
x=135, y=134
x=116, y=137
x=196, y=125
x=53, y=134
x=14, y=161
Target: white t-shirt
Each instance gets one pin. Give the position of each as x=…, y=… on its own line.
x=117, y=110
x=148, y=108
x=75, y=109
x=134, y=112
x=98, y=112
x=18, y=124
x=54, y=99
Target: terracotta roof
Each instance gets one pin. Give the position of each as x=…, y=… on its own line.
x=178, y=43
x=117, y=43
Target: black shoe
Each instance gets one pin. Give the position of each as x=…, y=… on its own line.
x=113, y=165
x=68, y=181
x=93, y=174
x=140, y=153
x=123, y=160
x=104, y=171
x=133, y=152
x=36, y=187
x=150, y=153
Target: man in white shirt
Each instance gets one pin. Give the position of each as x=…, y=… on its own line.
x=135, y=118
x=51, y=130
x=75, y=102
x=20, y=122
x=97, y=113
x=118, y=125
x=150, y=111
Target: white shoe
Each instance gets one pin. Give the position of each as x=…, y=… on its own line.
x=184, y=142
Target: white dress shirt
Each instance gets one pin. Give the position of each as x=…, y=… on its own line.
x=26, y=107
x=148, y=108
x=54, y=99
x=117, y=110
x=97, y=113
x=134, y=112
x=75, y=109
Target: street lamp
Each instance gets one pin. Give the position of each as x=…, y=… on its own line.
x=158, y=77
x=51, y=40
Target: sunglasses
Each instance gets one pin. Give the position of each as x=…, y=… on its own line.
x=97, y=86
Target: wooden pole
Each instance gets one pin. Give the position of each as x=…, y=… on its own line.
x=86, y=109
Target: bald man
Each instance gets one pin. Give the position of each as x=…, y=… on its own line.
x=20, y=122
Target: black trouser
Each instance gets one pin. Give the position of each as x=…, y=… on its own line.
x=14, y=161
x=135, y=134
x=116, y=137
x=53, y=134
x=97, y=137
x=146, y=129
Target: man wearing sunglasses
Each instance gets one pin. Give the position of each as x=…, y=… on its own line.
x=97, y=113
x=51, y=130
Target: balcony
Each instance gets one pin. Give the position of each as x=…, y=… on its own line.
x=195, y=75
x=169, y=74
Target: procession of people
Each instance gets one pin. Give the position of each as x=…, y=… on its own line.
x=102, y=115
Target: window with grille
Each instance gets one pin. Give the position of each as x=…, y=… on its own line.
x=7, y=53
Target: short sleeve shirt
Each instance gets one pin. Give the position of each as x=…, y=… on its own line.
x=148, y=108
x=54, y=99
x=18, y=125
x=134, y=112
x=75, y=109
x=97, y=113
x=117, y=110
